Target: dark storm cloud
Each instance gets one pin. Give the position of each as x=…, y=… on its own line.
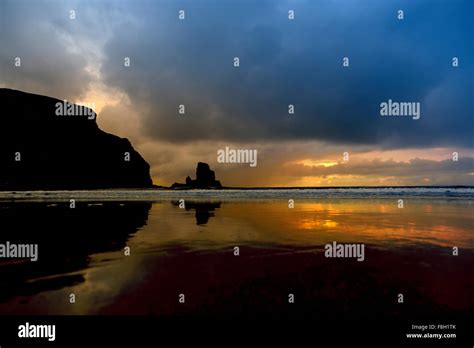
x=38, y=34
x=297, y=62
x=282, y=62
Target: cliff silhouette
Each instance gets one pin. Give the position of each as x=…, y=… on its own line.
x=41, y=150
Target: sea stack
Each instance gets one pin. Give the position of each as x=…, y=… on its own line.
x=205, y=179
x=50, y=144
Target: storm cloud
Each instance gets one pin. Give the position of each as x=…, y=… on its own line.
x=282, y=62
x=297, y=62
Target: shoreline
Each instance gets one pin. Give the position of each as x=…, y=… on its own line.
x=165, y=188
x=327, y=193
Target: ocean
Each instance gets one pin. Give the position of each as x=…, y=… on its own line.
x=250, y=193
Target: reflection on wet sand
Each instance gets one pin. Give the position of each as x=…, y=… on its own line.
x=378, y=222
x=204, y=210
x=66, y=238
x=281, y=251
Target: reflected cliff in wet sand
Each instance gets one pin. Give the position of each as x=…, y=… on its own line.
x=65, y=237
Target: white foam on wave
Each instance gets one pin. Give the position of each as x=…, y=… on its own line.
x=308, y=193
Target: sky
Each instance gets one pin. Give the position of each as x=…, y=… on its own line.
x=282, y=61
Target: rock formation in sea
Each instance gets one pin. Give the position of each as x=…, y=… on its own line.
x=48, y=144
x=205, y=178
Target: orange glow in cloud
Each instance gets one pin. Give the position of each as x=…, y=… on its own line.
x=405, y=155
x=316, y=163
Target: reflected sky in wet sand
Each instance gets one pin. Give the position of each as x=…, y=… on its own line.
x=191, y=250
